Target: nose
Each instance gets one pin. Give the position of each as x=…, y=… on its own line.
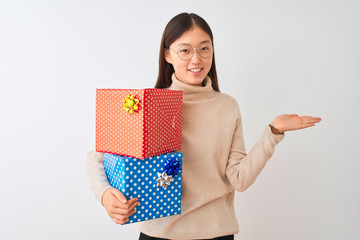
x=196, y=55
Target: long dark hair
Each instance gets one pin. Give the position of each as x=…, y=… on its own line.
x=173, y=30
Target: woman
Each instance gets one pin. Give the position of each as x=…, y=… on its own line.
x=215, y=162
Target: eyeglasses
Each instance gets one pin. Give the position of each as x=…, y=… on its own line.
x=186, y=52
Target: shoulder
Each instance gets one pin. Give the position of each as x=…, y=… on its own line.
x=228, y=102
x=227, y=99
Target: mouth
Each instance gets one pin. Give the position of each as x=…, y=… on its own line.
x=194, y=70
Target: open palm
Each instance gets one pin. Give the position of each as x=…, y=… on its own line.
x=289, y=122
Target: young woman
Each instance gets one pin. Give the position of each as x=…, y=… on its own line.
x=215, y=162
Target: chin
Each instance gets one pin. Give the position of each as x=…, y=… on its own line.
x=198, y=80
x=193, y=80
x=196, y=83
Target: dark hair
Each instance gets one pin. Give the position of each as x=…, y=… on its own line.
x=173, y=30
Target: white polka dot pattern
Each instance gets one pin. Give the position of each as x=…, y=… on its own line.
x=137, y=178
x=153, y=130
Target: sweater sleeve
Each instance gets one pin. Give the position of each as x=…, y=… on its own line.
x=242, y=169
x=96, y=174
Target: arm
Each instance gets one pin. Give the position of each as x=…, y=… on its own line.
x=96, y=174
x=242, y=168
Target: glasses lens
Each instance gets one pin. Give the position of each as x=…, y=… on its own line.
x=205, y=50
x=185, y=52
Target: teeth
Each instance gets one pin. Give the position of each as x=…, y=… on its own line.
x=195, y=70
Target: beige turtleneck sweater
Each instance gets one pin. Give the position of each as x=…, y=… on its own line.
x=214, y=164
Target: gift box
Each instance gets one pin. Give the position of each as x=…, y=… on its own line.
x=155, y=181
x=138, y=123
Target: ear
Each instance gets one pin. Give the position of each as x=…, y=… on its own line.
x=168, y=56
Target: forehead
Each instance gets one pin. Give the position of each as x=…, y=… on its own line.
x=194, y=36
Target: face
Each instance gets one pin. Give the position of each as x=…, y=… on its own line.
x=194, y=70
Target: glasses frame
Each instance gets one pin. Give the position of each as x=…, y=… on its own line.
x=193, y=52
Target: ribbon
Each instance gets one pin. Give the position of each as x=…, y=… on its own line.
x=172, y=166
x=131, y=104
x=164, y=180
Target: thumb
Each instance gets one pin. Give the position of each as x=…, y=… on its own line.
x=119, y=195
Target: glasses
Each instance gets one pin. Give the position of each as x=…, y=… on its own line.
x=186, y=52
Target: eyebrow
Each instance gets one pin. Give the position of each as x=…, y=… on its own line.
x=205, y=41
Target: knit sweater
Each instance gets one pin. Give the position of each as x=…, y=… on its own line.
x=215, y=163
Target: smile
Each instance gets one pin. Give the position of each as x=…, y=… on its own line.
x=195, y=70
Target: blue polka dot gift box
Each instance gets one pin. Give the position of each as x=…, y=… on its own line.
x=155, y=181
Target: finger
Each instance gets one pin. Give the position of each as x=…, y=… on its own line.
x=121, y=214
x=121, y=208
x=121, y=211
x=293, y=115
x=121, y=220
x=134, y=205
x=307, y=125
x=119, y=205
x=317, y=119
x=130, y=213
x=132, y=201
x=119, y=195
x=309, y=119
x=130, y=205
x=313, y=121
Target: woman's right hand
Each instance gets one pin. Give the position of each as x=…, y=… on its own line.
x=117, y=206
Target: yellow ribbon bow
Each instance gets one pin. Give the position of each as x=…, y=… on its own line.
x=131, y=104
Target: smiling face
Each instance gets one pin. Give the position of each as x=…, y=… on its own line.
x=194, y=70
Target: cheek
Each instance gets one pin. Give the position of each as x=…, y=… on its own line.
x=209, y=63
x=180, y=66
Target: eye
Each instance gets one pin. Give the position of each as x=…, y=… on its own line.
x=205, y=48
x=184, y=50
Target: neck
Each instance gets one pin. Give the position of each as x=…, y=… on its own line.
x=193, y=92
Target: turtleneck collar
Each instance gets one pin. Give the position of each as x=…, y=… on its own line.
x=193, y=92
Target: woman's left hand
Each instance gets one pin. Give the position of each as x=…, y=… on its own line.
x=290, y=122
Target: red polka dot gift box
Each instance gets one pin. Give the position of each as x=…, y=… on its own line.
x=155, y=181
x=138, y=123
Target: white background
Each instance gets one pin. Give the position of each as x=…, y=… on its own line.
x=274, y=57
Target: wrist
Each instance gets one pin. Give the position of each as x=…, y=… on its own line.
x=104, y=196
x=275, y=130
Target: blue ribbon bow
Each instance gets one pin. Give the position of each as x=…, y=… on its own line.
x=172, y=166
